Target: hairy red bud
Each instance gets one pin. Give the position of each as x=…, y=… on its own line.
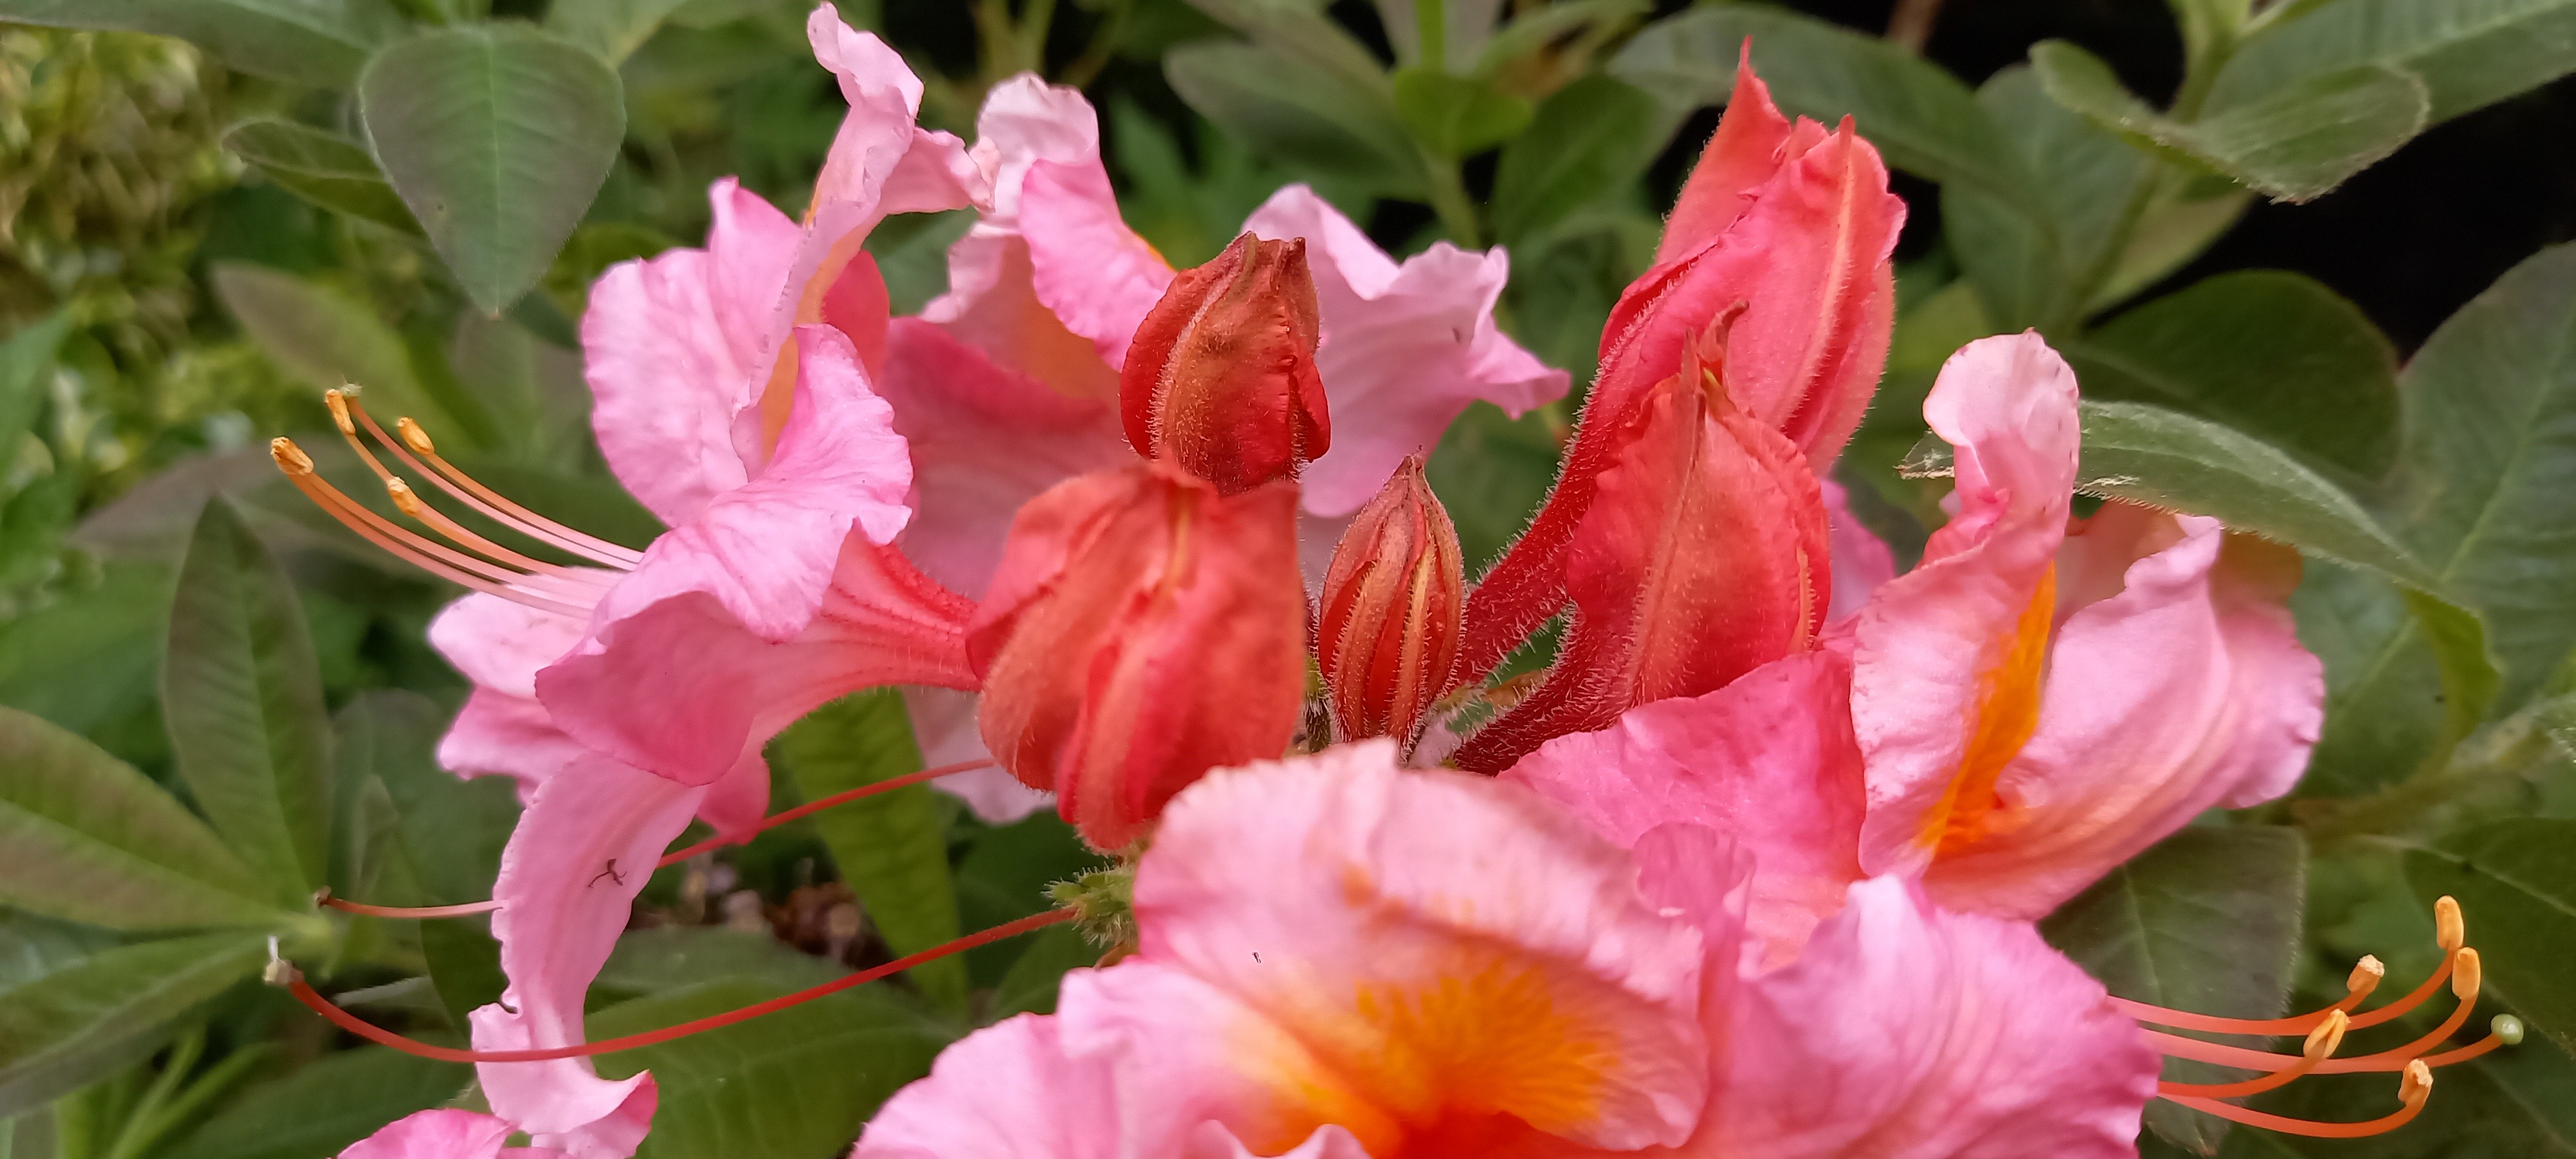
x=1387, y=640
x=1221, y=379
x=1140, y=630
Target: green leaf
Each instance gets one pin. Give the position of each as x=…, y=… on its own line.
x=70, y=1025
x=1917, y=114
x=2488, y=470
x=315, y=42
x=324, y=1106
x=1457, y=116
x=612, y=28
x=452, y=829
x=24, y=359
x=2470, y=53
x=328, y=339
x=667, y=958
x=1287, y=109
x=1004, y=876
x=244, y=705
x=322, y=167
x=792, y=1085
x=1030, y=985
x=497, y=136
x=892, y=849
x=85, y=837
x=2206, y=921
x=2297, y=144
x=1588, y=139
x=1492, y=471
x=88, y=662
x=2273, y=354
x=2516, y=883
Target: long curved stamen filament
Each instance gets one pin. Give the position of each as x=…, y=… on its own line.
x=304, y=993
x=2320, y=1045
x=434, y=558
x=2365, y=978
x=2412, y=1091
x=492, y=504
x=684, y=853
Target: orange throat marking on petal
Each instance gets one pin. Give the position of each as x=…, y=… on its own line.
x=1482, y=1041
x=2006, y=713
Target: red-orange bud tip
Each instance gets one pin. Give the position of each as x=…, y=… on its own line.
x=1221, y=378
x=1387, y=638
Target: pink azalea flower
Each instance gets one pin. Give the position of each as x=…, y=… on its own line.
x=444, y=1134
x=1338, y=957
x=2027, y=709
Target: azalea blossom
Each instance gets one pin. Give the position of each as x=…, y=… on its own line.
x=1340, y=957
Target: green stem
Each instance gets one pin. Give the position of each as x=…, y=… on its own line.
x=1449, y=199
x=130, y=1137
x=1430, y=23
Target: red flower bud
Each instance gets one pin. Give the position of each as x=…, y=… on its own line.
x=1221, y=375
x=1702, y=558
x=1388, y=637
x=1141, y=630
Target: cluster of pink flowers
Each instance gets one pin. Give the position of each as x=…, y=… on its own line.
x=1750, y=871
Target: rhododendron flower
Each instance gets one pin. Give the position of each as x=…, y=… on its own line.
x=2028, y=708
x=1386, y=631
x=444, y=1133
x=1340, y=957
x=1792, y=225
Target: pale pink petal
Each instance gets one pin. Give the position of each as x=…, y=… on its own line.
x=1008, y=1091
x=1405, y=348
x=1768, y=761
x=500, y=644
x=2161, y=701
x=569, y=877
x=1384, y=890
x=683, y=689
x=984, y=441
x=765, y=550
x=1026, y=121
x=497, y=734
x=992, y=304
x=434, y=1134
x=1862, y=561
x=1930, y=643
x=1096, y=274
x=675, y=345
x=738, y=800
x=943, y=724
x=1907, y=1032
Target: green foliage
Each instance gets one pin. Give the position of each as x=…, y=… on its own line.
x=324, y=168
x=75, y=1020
x=1589, y=140
x=323, y=1106
x=2517, y=880
x=892, y=849
x=311, y=41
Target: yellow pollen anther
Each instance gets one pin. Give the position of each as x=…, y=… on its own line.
x=2323, y=1041
x=2465, y=976
x=2417, y=1086
x=339, y=404
x=414, y=437
x=404, y=500
x=290, y=458
x=2451, y=931
x=2507, y=1028
x=2366, y=976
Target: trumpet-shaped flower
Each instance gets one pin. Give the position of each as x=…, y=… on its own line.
x=1338, y=957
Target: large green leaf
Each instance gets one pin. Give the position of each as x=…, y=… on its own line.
x=2273, y=354
x=85, y=837
x=1458, y=116
x=62, y=1029
x=2518, y=1103
x=2207, y=921
x=612, y=28
x=24, y=358
x=1917, y=114
x=329, y=339
x=88, y=662
x=1492, y=471
x=791, y=1085
x=324, y=1106
x=1290, y=110
x=1589, y=138
x=322, y=167
x=2297, y=144
x=2469, y=53
x=892, y=849
x=1005, y=876
x=2516, y=883
x=317, y=42
x=244, y=705
x=497, y=136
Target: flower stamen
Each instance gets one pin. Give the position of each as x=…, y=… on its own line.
x=2320, y=1045
x=435, y=558
x=2412, y=1091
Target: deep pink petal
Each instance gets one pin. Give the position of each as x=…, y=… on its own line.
x=569, y=877
x=984, y=441
x=1768, y=761
x=1934, y=647
x=1862, y=561
x=1405, y=348
x=1737, y=161
x=1907, y=1032
x=2183, y=691
x=683, y=689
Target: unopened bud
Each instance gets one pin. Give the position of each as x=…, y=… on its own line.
x=1221, y=378
x=1387, y=637
x=2417, y=1085
x=2466, y=973
x=290, y=458
x=2450, y=930
x=2327, y=1036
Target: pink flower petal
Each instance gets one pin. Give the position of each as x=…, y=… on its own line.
x=434, y=1134
x=504, y=735
x=500, y=644
x=1907, y=1032
x=1008, y=1091
x=1405, y=348
x=1862, y=561
x=943, y=724
x=569, y=876
x=1087, y=266
x=1768, y=761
